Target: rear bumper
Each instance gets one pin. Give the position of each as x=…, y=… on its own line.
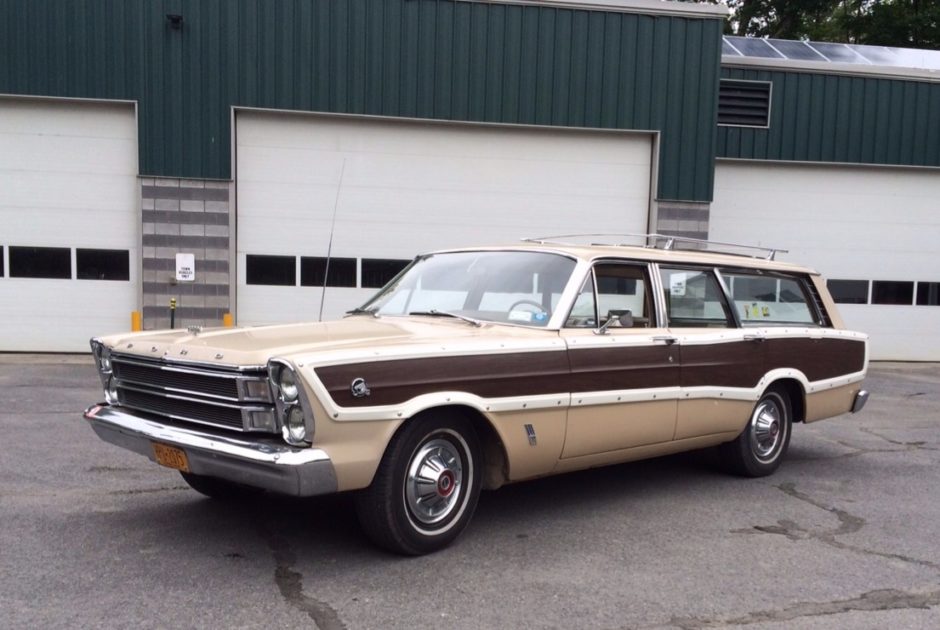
x=860, y=399
x=262, y=464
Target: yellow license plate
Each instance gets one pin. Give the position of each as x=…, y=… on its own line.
x=170, y=456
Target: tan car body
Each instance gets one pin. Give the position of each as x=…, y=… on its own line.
x=529, y=430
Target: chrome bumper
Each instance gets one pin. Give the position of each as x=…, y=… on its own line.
x=860, y=399
x=302, y=472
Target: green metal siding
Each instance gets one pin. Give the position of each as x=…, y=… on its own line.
x=436, y=59
x=839, y=118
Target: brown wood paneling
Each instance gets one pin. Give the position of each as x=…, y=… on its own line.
x=605, y=369
x=818, y=359
x=488, y=375
x=735, y=364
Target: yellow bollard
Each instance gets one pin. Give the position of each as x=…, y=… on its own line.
x=136, y=325
x=227, y=320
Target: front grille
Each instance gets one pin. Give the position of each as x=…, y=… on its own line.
x=155, y=376
x=202, y=395
x=230, y=417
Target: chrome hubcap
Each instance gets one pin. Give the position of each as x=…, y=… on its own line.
x=767, y=429
x=435, y=476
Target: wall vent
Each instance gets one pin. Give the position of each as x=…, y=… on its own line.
x=744, y=103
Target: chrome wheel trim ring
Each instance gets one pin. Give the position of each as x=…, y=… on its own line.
x=437, y=482
x=769, y=427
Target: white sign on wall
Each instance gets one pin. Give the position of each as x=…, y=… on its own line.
x=185, y=267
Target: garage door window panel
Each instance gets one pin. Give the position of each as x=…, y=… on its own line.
x=848, y=291
x=341, y=273
x=761, y=300
x=41, y=262
x=928, y=293
x=694, y=299
x=377, y=272
x=102, y=264
x=271, y=270
x=892, y=292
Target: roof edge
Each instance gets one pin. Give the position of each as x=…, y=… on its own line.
x=647, y=7
x=825, y=67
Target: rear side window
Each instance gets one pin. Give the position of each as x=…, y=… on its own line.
x=761, y=299
x=694, y=299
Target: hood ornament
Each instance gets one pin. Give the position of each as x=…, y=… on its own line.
x=359, y=388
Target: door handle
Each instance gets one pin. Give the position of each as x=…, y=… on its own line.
x=755, y=337
x=667, y=339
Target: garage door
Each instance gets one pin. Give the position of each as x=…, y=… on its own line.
x=401, y=188
x=68, y=223
x=873, y=232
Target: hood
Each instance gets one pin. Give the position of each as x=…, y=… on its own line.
x=253, y=346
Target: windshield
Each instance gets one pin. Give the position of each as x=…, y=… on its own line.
x=507, y=287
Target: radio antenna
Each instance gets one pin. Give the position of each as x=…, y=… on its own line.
x=329, y=248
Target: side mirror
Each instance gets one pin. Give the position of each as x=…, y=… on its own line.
x=623, y=319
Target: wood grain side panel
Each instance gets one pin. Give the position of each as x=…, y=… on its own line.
x=818, y=359
x=487, y=376
x=734, y=364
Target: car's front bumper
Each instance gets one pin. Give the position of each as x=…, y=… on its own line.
x=276, y=467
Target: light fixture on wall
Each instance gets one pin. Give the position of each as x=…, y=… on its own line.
x=175, y=20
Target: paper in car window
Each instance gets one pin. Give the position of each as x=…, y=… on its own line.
x=677, y=284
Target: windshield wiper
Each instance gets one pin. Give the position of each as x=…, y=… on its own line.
x=436, y=313
x=364, y=311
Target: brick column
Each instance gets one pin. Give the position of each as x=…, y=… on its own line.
x=192, y=217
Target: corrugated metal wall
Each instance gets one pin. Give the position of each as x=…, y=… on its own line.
x=833, y=118
x=420, y=58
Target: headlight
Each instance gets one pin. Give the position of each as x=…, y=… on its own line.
x=287, y=383
x=292, y=408
x=295, y=430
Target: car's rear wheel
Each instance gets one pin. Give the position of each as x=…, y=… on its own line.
x=426, y=487
x=219, y=489
x=760, y=448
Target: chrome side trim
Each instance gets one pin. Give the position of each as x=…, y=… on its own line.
x=861, y=399
x=266, y=464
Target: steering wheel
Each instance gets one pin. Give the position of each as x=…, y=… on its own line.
x=529, y=302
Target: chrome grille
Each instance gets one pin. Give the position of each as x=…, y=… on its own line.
x=203, y=395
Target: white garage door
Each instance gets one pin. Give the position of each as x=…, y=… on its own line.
x=407, y=188
x=68, y=223
x=877, y=228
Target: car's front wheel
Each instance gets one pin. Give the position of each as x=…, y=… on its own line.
x=760, y=448
x=426, y=487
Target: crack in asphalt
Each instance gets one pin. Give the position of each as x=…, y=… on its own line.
x=910, y=446
x=848, y=524
x=147, y=490
x=885, y=599
x=291, y=583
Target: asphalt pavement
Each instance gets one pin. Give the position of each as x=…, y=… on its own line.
x=845, y=535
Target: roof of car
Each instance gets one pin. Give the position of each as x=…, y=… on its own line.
x=653, y=254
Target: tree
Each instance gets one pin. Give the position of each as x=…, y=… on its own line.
x=902, y=23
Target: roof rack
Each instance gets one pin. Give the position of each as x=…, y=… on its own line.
x=662, y=241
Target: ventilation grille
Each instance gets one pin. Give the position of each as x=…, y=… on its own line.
x=744, y=103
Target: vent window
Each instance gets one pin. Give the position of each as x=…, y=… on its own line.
x=744, y=103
